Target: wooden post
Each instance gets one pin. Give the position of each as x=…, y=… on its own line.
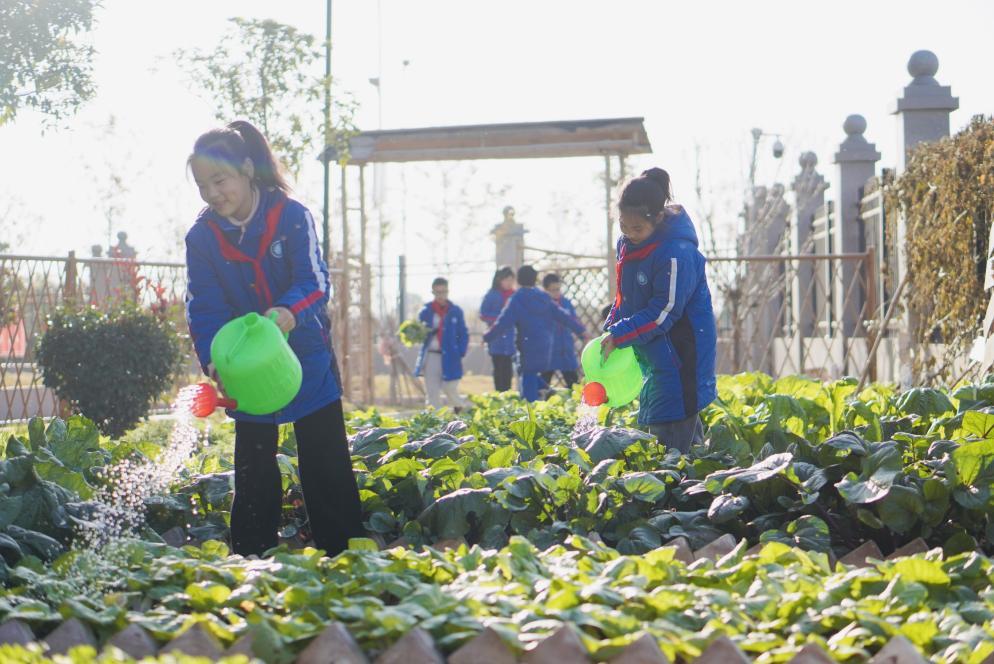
x=365, y=304
x=872, y=309
x=609, y=249
x=367, y=335
x=345, y=294
x=69, y=288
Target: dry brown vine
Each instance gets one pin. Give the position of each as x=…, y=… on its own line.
x=946, y=195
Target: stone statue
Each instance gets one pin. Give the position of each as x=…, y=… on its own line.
x=123, y=249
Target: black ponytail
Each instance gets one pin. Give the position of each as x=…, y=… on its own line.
x=647, y=195
x=502, y=273
x=239, y=141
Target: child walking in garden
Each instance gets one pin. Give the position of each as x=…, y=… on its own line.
x=502, y=347
x=255, y=249
x=563, y=350
x=535, y=315
x=663, y=309
x=441, y=354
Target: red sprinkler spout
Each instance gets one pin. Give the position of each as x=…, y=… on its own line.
x=594, y=394
x=206, y=400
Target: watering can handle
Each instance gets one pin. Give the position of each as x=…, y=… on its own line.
x=273, y=316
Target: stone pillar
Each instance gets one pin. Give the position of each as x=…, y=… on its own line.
x=809, y=196
x=509, y=238
x=766, y=285
x=924, y=107
x=922, y=113
x=856, y=160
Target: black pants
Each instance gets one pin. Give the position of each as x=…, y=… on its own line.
x=503, y=372
x=331, y=496
x=680, y=434
x=569, y=377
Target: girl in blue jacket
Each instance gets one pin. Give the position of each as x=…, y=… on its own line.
x=255, y=249
x=502, y=347
x=663, y=310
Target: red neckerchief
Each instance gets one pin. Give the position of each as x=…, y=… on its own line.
x=506, y=294
x=624, y=258
x=440, y=311
x=232, y=253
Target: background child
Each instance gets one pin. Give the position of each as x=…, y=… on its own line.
x=255, y=249
x=535, y=315
x=563, y=351
x=663, y=309
x=502, y=347
x=441, y=355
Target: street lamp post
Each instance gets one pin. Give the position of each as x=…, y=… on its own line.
x=757, y=135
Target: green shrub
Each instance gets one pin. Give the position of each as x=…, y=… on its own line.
x=109, y=365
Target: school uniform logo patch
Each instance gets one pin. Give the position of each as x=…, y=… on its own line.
x=276, y=249
x=641, y=278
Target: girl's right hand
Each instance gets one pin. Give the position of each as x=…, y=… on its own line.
x=212, y=372
x=606, y=347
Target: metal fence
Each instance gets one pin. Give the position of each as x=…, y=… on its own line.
x=33, y=287
x=811, y=314
x=778, y=314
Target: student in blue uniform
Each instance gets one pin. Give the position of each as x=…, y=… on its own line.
x=663, y=310
x=563, y=349
x=502, y=347
x=535, y=315
x=255, y=249
x=441, y=355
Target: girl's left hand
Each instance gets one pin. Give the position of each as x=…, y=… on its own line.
x=284, y=318
x=606, y=347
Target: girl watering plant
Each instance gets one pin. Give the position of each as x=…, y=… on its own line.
x=254, y=249
x=663, y=310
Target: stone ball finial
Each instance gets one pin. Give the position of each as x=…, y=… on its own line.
x=808, y=160
x=923, y=63
x=854, y=124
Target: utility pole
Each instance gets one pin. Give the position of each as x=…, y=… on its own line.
x=325, y=224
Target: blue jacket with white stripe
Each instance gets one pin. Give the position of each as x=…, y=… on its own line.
x=663, y=309
x=277, y=263
x=563, y=348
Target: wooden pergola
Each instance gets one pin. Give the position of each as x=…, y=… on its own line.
x=606, y=137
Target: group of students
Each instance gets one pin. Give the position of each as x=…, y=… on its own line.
x=530, y=327
x=536, y=326
x=255, y=249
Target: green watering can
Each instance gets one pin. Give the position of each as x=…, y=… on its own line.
x=256, y=365
x=616, y=381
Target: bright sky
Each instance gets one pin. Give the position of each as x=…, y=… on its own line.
x=701, y=73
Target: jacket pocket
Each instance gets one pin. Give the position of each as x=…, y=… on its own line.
x=671, y=350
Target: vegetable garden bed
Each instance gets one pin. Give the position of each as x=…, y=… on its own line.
x=513, y=522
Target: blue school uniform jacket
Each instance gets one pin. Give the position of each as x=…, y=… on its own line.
x=455, y=340
x=563, y=349
x=535, y=315
x=663, y=310
x=277, y=263
x=490, y=308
